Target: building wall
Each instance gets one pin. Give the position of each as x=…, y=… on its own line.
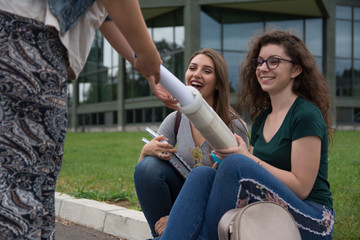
x=110, y=94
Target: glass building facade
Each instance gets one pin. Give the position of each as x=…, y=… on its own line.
x=110, y=94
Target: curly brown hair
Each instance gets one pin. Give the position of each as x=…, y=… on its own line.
x=310, y=84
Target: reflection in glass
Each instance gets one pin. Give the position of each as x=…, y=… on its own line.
x=343, y=78
x=179, y=37
x=343, y=12
x=234, y=61
x=163, y=36
x=237, y=35
x=87, y=91
x=296, y=26
x=343, y=38
x=138, y=115
x=129, y=116
x=357, y=13
x=319, y=62
x=357, y=78
x=210, y=32
x=314, y=36
x=159, y=115
x=148, y=115
x=356, y=39
x=70, y=93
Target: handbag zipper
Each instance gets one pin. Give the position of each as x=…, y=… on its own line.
x=231, y=228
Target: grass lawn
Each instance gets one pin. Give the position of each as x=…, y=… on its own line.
x=100, y=166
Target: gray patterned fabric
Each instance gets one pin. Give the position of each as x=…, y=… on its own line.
x=33, y=119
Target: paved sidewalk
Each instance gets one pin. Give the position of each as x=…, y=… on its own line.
x=107, y=218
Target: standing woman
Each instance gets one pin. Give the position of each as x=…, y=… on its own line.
x=288, y=99
x=42, y=45
x=157, y=182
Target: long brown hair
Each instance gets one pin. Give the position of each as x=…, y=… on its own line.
x=221, y=101
x=310, y=84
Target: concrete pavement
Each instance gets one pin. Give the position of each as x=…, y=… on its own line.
x=107, y=218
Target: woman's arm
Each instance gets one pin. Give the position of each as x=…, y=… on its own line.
x=117, y=40
x=127, y=16
x=305, y=162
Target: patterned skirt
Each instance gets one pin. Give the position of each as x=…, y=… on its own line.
x=33, y=120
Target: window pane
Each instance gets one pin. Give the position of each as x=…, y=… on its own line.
x=129, y=116
x=356, y=13
x=319, y=62
x=343, y=78
x=357, y=78
x=163, y=38
x=343, y=38
x=357, y=115
x=179, y=37
x=314, y=36
x=295, y=26
x=87, y=91
x=141, y=87
x=148, y=114
x=343, y=12
x=236, y=36
x=138, y=116
x=108, y=88
x=357, y=39
x=110, y=56
x=210, y=32
x=234, y=61
x=129, y=80
x=158, y=114
x=70, y=93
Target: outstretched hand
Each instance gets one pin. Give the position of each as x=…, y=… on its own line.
x=149, y=66
x=163, y=95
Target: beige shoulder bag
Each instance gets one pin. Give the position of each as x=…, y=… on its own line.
x=258, y=221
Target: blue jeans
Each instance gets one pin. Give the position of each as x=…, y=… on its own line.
x=157, y=185
x=207, y=194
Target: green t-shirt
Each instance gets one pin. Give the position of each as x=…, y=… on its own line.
x=303, y=119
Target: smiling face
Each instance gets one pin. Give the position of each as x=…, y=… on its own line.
x=201, y=75
x=280, y=79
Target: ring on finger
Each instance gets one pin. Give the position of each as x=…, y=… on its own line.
x=160, y=154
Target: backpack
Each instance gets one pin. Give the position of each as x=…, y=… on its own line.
x=177, y=123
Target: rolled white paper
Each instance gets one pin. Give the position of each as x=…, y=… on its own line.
x=193, y=105
x=175, y=87
x=209, y=124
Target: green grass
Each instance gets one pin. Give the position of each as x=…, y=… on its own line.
x=100, y=166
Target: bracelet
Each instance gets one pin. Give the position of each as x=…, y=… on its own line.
x=260, y=162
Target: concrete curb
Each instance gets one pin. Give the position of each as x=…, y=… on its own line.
x=111, y=219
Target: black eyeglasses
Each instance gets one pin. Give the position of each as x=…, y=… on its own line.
x=271, y=63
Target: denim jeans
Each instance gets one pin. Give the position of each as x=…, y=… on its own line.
x=157, y=185
x=207, y=194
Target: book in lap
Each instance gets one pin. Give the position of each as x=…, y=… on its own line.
x=176, y=160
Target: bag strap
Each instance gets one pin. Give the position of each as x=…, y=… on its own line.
x=177, y=123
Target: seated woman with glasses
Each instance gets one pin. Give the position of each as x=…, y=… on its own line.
x=288, y=100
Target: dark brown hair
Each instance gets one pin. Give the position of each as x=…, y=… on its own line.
x=221, y=101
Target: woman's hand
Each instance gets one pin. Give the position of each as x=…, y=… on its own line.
x=242, y=148
x=157, y=148
x=163, y=95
